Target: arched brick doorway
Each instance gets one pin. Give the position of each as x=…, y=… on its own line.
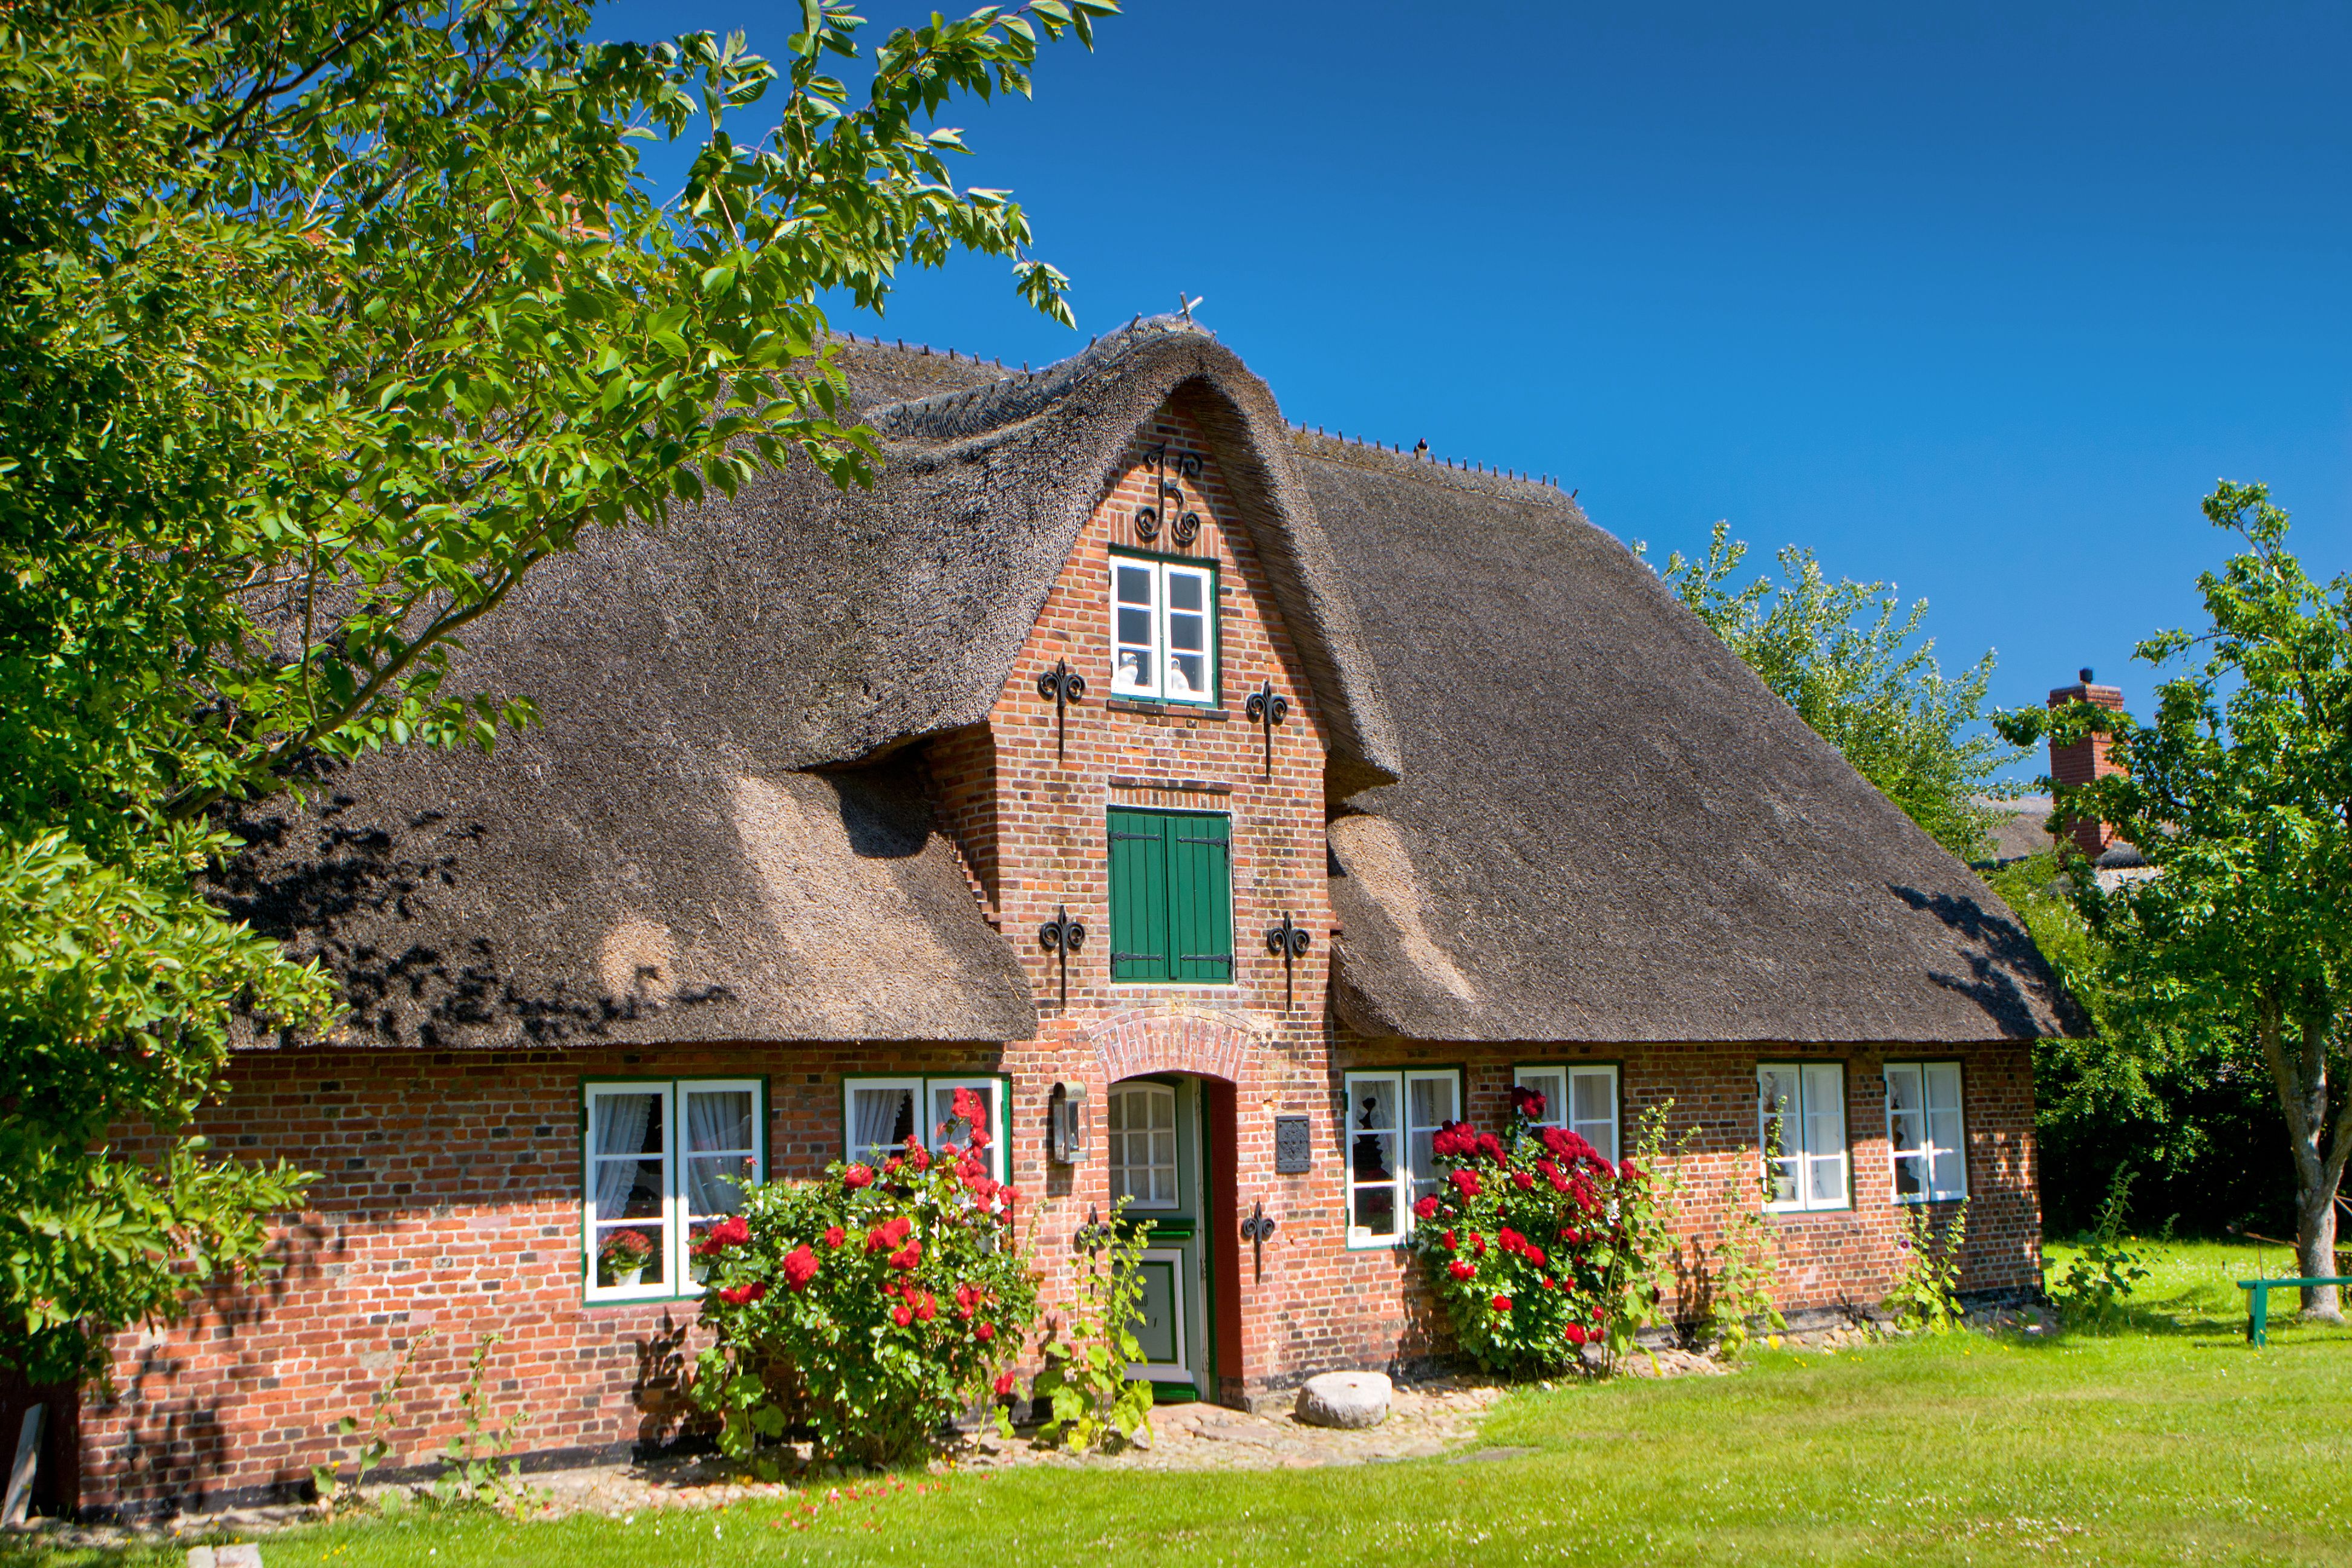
x=1217, y=1052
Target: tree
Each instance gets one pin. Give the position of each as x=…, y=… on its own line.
x=2240, y=795
x=1849, y=661
x=323, y=322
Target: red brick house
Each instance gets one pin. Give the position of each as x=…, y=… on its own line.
x=1391, y=784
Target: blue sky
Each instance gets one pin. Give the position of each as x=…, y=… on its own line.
x=1977, y=300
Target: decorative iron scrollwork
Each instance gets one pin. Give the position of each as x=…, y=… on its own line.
x=1065, y=686
x=1265, y=708
x=1289, y=942
x=1257, y=1230
x=1063, y=936
x=1093, y=1236
x=1167, y=498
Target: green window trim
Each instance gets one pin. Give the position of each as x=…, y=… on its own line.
x=1171, y=897
x=669, y=1120
x=926, y=1087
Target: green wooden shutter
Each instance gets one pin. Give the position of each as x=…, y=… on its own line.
x=1201, y=898
x=1138, y=895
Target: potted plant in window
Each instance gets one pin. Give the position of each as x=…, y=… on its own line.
x=624, y=1258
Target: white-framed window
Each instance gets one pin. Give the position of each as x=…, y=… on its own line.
x=1800, y=1128
x=663, y=1161
x=1925, y=1133
x=1163, y=630
x=880, y=1114
x=1580, y=1097
x=1142, y=1145
x=1390, y=1118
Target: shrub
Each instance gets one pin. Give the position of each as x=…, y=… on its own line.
x=875, y=1303
x=1538, y=1247
x=1088, y=1348
x=1739, y=1289
x=1926, y=1293
x=2101, y=1278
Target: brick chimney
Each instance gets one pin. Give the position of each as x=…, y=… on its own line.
x=2086, y=760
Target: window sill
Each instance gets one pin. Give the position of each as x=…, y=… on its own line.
x=1928, y=1200
x=1794, y=1211
x=1164, y=709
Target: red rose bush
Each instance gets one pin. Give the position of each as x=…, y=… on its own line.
x=1539, y=1246
x=873, y=1304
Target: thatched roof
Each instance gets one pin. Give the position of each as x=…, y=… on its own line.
x=656, y=861
x=1606, y=829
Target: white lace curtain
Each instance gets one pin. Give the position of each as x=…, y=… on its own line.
x=877, y=1118
x=718, y=1142
x=621, y=1123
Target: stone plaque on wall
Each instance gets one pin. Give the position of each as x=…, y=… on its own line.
x=1294, y=1149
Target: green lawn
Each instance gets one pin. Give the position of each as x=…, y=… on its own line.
x=2170, y=1443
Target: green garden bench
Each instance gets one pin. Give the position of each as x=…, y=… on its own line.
x=2259, y=1315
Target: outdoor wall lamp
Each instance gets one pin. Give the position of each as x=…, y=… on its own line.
x=1066, y=1124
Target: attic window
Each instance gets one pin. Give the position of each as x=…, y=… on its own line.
x=1163, y=629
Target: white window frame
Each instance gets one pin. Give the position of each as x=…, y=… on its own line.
x=1405, y=1178
x=1161, y=652
x=996, y=1086
x=1821, y=1098
x=1176, y=1134
x=1927, y=1074
x=677, y=1279
x=1562, y=1115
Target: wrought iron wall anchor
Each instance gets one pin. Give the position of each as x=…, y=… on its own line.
x=1167, y=498
x=1257, y=1230
x=1265, y=708
x=1065, y=686
x=1093, y=1236
x=1291, y=941
x=1065, y=936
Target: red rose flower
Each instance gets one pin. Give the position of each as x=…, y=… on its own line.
x=916, y=1157
x=1521, y=1179
x=1576, y=1335
x=890, y=1166
x=834, y=1235
x=888, y=1235
x=742, y=1294
x=1477, y=1245
x=1426, y=1208
x=1510, y=1240
x=1450, y=1243
x=984, y=1332
x=1490, y=1147
x=908, y=1256
x=1004, y=1384
x=926, y=1308
x=1502, y=1303
x=800, y=1268
x=856, y=1176
x=1466, y=1182
x=902, y=1315
x=1527, y=1102
x=1535, y=1255
x=1461, y=1269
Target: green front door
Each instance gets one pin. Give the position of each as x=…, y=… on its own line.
x=1154, y=1155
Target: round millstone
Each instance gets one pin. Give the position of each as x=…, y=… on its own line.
x=1344, y=1399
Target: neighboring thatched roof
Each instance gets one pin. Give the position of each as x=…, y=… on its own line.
x=655, y=862
x=1606, y=829
x=2020, y=828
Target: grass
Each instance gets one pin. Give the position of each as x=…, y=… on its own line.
x=2169, y=1442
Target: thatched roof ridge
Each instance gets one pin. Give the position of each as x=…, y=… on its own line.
x=1605, y=827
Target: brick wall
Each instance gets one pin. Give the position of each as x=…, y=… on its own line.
x=450, y=1189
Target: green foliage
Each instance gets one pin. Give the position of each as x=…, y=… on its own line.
x=1849, y=661
x=475, y=1469
x=2186, y=1102
x=872, y=1305
x=1089, y=1345
x=335, y=1490
x=1539, y=1247
x=324, y=323
x=2240, y=795
x=1739, y=1287
x=1926, y=1295
x=2099, y=1280
x=116, y=988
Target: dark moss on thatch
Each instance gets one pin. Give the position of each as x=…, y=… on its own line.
x=1605, y=827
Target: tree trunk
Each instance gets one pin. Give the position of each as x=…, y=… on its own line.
x=2315, y=1250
